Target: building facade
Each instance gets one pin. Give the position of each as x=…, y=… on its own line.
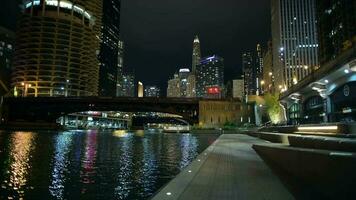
x=336, y=28
x=57, y=47
x=249, y=74
x=259, y=69
x=7, y=41
x=152, y=91
x=267, y=82
x=120, y=67
x=140, y=89
x=294, y=38
x=173, y=89
x=196, y=54
x=238, y=89
x=328, y=95
x=110, y=47
x=191, y=86
x=210, y=77
x=128, y=85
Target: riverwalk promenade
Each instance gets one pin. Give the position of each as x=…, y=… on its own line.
x=228, y=169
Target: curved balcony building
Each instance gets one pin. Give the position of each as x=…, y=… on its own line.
x=56, y=48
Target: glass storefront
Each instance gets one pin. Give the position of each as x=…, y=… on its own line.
x=343, y=103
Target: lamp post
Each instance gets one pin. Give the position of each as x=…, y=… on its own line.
x=25, y=88
x=262, y=86
x=66, y=92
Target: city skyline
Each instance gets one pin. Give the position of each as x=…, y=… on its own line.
x=229, y=40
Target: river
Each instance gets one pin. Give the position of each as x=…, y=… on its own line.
x=93, y=164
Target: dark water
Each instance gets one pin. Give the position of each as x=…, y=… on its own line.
x=93, y=164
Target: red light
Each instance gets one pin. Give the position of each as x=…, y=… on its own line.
x=213, y=90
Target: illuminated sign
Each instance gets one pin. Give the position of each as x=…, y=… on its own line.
x=184, y=70
x=213, y=90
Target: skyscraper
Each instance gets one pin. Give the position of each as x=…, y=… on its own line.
x=110, y=48
x=210, y=77
x=249, y=74
x=196, y=54
x=56, y=48
x=152, y=91
x=267, y=83
x=336, y=28
x=183, y=83
x=259, y=69
x=294, y=38
x=173, y=89
x=191, y=86
x=7, y=40
x=238, y=89
x=120, y=67
x=128, y=85
x=140, y=90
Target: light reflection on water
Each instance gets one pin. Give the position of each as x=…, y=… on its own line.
x=93, y=164
x=62, y=144
x=19, y=166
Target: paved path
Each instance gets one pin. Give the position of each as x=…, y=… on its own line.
x=228, y=169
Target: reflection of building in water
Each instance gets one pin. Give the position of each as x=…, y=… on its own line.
x=148, y=177
x=124, y=180
x=88, y=170
x=20, y=149
x=60, y=164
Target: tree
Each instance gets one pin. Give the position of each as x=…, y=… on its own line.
x=274, y=109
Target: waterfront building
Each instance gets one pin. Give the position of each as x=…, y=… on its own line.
x=140, y=89
x=217, y=113
x=267, y=82
x=152, y=91
x=7, y=40
x=57, y=45
x=328, y=94
x=196, y=54
x=249, y=74
x=295, y=43
x=210, y=77
x=110, y=47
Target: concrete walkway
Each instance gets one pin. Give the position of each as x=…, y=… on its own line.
x=228, y=169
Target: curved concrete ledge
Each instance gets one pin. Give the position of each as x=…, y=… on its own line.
x=311, y=173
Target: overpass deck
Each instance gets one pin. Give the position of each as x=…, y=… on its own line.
x=228, y=169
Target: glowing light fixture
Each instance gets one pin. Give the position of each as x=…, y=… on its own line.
x=317, y=128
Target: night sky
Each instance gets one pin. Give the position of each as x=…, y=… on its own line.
x=158, y=34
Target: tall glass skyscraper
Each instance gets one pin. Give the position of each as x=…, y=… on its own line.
x=56, y=48
x=210, y=77
x=249, y=72
x=196, y=54
x=295, y=43
x=336, y=28
x=259, y=69
x=110, y=48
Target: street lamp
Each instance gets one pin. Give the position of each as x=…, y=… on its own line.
x=25, y=86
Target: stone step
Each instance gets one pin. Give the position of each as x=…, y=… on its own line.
x=312, y=173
